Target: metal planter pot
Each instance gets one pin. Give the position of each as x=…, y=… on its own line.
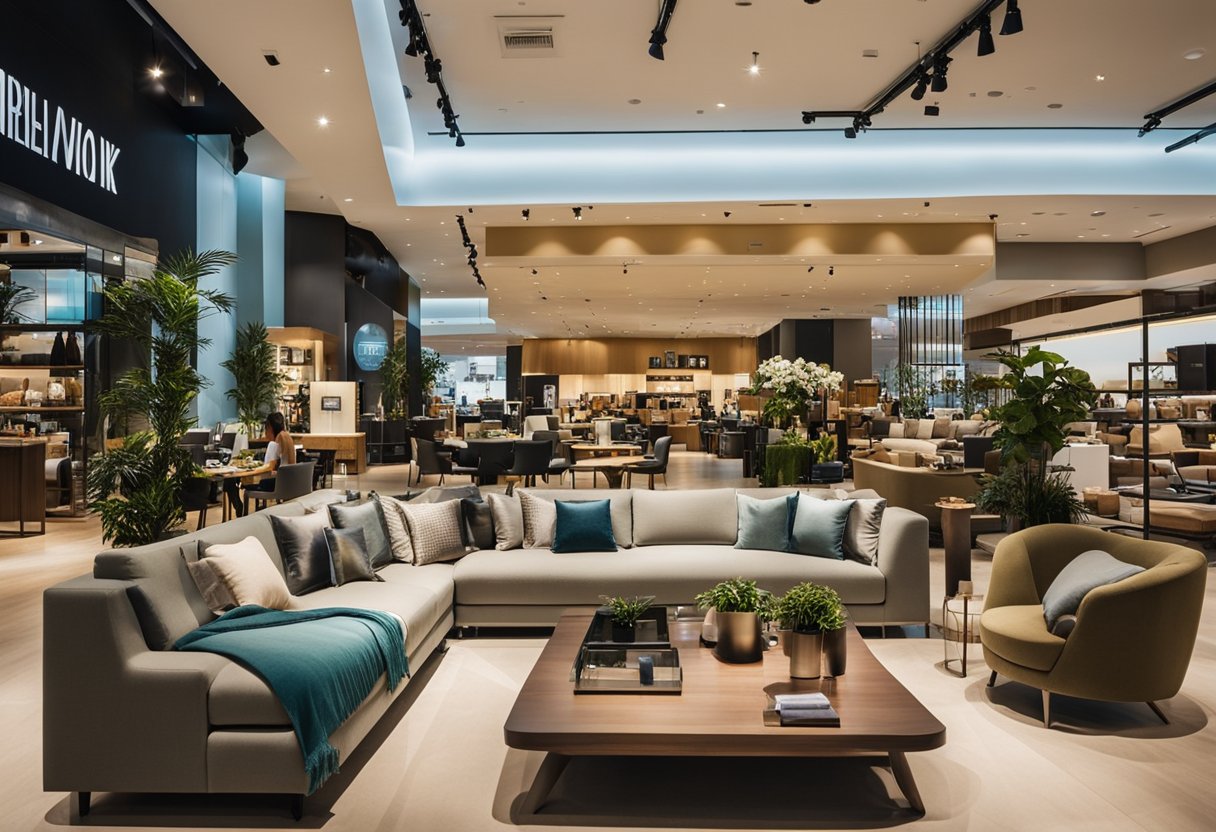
x=806, y=654
x=835, y=654
x=739, y=640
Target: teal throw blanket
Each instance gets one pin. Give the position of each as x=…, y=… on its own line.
x=321, y=664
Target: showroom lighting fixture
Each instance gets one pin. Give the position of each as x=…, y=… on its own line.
x=1153, y=120
x=726, y=214
x=754, y=69
x=930, y=69
x=933, y=110
x=658, y=35
x=578, y=213
x=526, y=214
x=831, y=271
x=420, y=46
x=986, y=46
x=810, y=269
x=472, y=251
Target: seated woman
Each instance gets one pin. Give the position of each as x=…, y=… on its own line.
x=280, y=450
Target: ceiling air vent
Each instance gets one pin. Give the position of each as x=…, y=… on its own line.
x=528, y=37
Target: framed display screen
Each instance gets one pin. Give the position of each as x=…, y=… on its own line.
x=333, y=403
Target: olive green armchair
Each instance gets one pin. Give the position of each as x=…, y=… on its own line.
x=1132, y=640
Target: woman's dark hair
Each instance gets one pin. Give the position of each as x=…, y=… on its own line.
x=275, y=422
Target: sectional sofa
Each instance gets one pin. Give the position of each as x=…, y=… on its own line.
x=123, y=712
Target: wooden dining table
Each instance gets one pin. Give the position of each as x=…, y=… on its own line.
x=220, y=473
x=588, y=450
x=612, y=467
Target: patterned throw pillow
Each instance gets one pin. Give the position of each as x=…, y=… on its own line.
x=398, y=531
x=508, y=521
x=435, y=531
x=540, y=518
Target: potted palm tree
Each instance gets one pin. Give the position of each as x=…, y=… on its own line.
x=257, y=381
x=136, y=488
x=739, y=608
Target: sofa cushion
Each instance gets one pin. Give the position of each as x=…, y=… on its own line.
x=818, y=527
x=368, y=516
x=301, y=542
x=966, y=427
x=540, y=516
x=478, y=523
x=508, y=517
x=669, y=517
x=1088, y=570
x=398, y=531
x=247, y=571
x=583, y=527
x=896, y=431
x=941, y=429
x=621, y=507
x=436, y=531
x=918, y=446
x=1018, y=634
x=861, y=530
x=765, y=524
x=674, y=574
x=348, y=556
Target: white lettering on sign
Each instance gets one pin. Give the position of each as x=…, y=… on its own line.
x=25, y=120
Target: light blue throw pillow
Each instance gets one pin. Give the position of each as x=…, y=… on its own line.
x=764, y=524
x=583, y=526
x=1086, y=571
x=819, y=527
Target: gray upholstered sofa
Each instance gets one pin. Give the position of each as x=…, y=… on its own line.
x=119, y=715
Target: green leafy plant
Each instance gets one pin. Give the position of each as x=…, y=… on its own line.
x=135, y=488
x=785, y=461
x=809, y=608
x=255, y=376
x=394, y=376
x=1045, y=395
x=736, y=595
x=915, y=388
x=823, y=448
x=433, y=370
x=13, y=295
x=627, y=611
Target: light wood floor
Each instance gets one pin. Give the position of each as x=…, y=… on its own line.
x=437, y=762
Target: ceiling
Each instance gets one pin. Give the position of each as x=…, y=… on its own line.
x=811, y=57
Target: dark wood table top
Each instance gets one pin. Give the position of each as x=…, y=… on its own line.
x=720, y=710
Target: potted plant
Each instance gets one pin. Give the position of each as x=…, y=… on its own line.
x=811, y=617
x=433, y=369
x=1045, y=395
x=825, y=466
x=13, y=295
x=626, y=614
x=790, y=386
x=786, y=461
x=393, y=380
x=256, y=379
x=136, y=487
x=739, y=607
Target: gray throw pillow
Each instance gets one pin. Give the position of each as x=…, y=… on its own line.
x=302, y=547
x=861, y=530
x=765, y=524
x=819, y=527
x=368, y=516
x=1086, y=571
x=508, y=521
x=349, y=556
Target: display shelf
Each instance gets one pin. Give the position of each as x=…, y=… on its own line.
x=39, y=409
x=67, y=368
x=41, y=328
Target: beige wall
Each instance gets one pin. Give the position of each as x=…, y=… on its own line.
x=628, y=356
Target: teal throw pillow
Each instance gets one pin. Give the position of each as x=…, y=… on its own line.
x=819, y=527
x=583, y=526
x=1088, y=570
x=764, y=524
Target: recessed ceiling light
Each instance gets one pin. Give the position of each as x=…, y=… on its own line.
x=348, y=199
x=1099, y=77
x=995, y=93
x=156, y=72
x=1055, y=106
x=1195, y=54
x=323, y=121
x=721, y=105
x=634, y=101
x=326, y=70
x=1097, y=213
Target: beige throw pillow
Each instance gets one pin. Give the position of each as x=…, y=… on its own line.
x=896, y=430
x=215, y=592
x=436, y=532
x=540, y=518
x=250, y=575
x=398, y=529
x=508, y=521
x=924, y=429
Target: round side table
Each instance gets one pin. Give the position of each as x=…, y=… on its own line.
x=956, y=538
x=960, y=627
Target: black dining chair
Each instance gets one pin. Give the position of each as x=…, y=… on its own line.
x=494, y=460
x=651, y=467
x=654, y=432
x=430, y=461
x=560, y=458
x=617, y=430
x=531, y=460
x=195, y=495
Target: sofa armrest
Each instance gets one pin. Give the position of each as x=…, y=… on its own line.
x=903, y=558
x=116, y=715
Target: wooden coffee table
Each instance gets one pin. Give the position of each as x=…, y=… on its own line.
x=718, y=713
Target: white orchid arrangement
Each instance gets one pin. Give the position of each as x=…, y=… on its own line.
x=793, y=384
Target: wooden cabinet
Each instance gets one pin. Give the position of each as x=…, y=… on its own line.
x=348, y=448
x=23, y=485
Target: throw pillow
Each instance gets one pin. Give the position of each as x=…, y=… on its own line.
x=246, y=569
x=924, y=429
x=301, y=542
x=540, y=516
x=435, y=529
x=368, y=516
x=443, y=493
x=941, y=429
x=819, y=527
x=896, y=431
x=765, y=524
x=215, y=593
x=861, y=530
x=349, y=556
x=398, y=531
x=478, y=523
x=880, y=427
x=508, y=518
x=583, y=526
x=1086, y=571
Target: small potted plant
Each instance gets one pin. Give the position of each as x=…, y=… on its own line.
x=626, y=614
x=825, y=467
x=812, y=620
x=739, y=607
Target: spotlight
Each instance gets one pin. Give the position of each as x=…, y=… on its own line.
x=986, y=47
x=658, y=35
x=156, y=72
x=460, y=140
x=534, y=271
x=470, y=210
x=922, y=84
x=850, y=133
x=1013, y=18
x=624, y=270
x=239, y=157
x=932, y=110
x=940, y=64
x=526, y=214
x=810, y=269
x=754, y=69
x=831, y=271
x=578, y=213
x=726, y=214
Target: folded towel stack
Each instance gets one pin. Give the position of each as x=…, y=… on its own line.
x=806, y=709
